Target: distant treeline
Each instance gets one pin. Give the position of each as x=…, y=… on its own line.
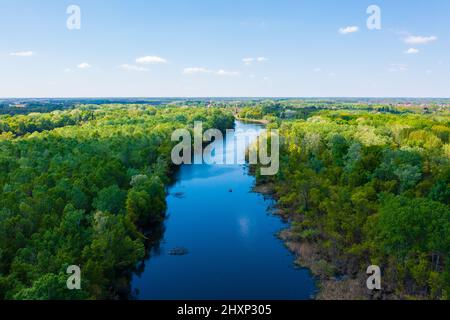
x=25, y=106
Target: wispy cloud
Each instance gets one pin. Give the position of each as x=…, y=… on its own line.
x=202, y=70
x=412, y=51
x=130, y=67
x=398, y=67
x=317, y=69
x=151, y=60
x=196, y=70
x=22, y=54
x=420, y=39
x=349, y=29
x=226, y=73
x=250, y=61
x=84, y=65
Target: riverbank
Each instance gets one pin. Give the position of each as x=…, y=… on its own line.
x=213, y=221
x=309, y=255
x=260, y=121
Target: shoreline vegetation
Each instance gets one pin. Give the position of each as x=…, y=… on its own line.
x=257, y=121
x=82, y=187
x=307, y=255
x=362, y=188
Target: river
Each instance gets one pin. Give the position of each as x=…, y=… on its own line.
x=230, y=235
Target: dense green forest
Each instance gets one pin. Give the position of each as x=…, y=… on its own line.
x=81, y=187
x=362, y=184
x=368, y=188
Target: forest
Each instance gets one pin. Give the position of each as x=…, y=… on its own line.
x=367, y=188
x=81, y=187
x=361, y=184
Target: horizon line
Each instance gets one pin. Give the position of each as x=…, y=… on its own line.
x=226, y=97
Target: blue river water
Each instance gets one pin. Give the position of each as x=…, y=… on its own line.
x=230, y=235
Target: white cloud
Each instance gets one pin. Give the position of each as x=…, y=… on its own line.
x=22, y=54
x=201, y=70
x=84, y=65
x=398, y=67
x=130, y=67
x=347, y=30
x=420, y=39
x=248, y=61
x=266, y=78
x=196, y=70
x=67, y=70
x=151, y=60
x=225, y=73
x=412, y=51
x=318, y=70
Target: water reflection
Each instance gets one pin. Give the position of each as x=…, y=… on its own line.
x=233, y=251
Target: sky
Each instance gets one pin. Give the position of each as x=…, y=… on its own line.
x=224, y=48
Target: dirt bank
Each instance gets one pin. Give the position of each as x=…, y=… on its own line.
x=308, y=255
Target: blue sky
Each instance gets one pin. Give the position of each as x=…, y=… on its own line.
x=282, y=48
